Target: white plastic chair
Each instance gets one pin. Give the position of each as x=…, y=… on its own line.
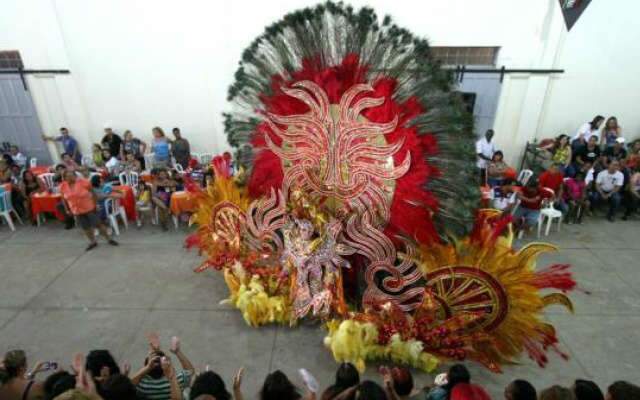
x=87, y=161
x=47, y=180
x=6, y=208
x=149, y=160
x=524, y=176
x=549, y=213
x=124, y=178
x=205, y=158
x=113, y=209
x=179, y=168
x=33, y=162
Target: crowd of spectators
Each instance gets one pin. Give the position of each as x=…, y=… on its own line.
x=99, y=376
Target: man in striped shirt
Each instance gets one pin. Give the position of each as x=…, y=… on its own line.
x=158, y=380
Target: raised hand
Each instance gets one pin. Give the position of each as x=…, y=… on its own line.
x=175, y=344
x=126, y=368
x=154, y=341
x=237, y=380
x=167, y=368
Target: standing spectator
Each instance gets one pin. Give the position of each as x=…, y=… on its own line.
x=347, y=376
x=610, y=132
x=79, y=200
x=277, y=386
x=457, y=374
x=69, y=144
x=562, y=154
x=575, y=197
x=134, y=146
x=622, y=390
x=552, y=179
x=587, y=390
x=111, y=141
x=497, y=169
x=484, y=150
x=118, y=387
x=615, y=151
x=209, y=383
x=632, y=196
x=160, y=148
x=399, y=384
x=15, y=381
x=180, y=149
x=520, y=390
x=467, y=391
x=587, y=131
x=18, y=158
x=608, y=185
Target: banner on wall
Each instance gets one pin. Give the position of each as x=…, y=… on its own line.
x=572, y=9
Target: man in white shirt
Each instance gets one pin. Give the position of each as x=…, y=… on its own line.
x=608, y=185
x=18, y=158
x=484, y=150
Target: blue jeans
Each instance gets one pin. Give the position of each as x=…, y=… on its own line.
x=614, y=201
x=530, y=216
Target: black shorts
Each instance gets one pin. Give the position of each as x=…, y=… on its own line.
x=88, y=220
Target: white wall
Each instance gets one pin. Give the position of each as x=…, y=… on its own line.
x=140, y=63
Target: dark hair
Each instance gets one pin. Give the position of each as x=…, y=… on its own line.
x=612, y=118
x=14, y=361
x=97, y=359
x=61, y=166
x=24, y=174
x=369, y=390
x=580, y=174
x=595, y=121
x=497, y=153
x=156, y=371
x=65, y=154
x=522, y=390
x=63, y=128
x=118, y=387
x=176, y=129
x=278, y=387
x=346, y=376
x=458, y=373
x=96, y=180
x=58, y=383
x=587, y=390
x=559, y=138
x=209, y=383
x=402, y=380
x=623, y=390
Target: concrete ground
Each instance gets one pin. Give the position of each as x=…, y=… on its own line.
x=56, y=300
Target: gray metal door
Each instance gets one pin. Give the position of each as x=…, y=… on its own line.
x=19, y=122
x=487, y=90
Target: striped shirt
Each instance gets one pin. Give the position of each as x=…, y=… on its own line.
x=160, y=389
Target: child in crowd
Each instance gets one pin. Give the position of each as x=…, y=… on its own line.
x=161, y=189
x=111, y=162
x=575, y=197
x=131, y=164
x=143, y=200
x=102, y=191
x=504, y=196
x=69, y=162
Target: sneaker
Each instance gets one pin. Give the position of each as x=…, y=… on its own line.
x=91, y=246
x=113, y=242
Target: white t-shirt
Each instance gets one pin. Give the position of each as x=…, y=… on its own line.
x=20, y=159
x=609, y=181
x=112, y=165
x=486, y=149
x=586, y=132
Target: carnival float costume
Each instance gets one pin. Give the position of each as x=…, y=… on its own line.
x=355, y=203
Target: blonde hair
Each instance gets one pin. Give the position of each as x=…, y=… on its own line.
x=158, y=129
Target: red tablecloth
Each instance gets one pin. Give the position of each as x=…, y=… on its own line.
x=182, y=202
x=40, y=169
x=45, y=202
x=128, y=201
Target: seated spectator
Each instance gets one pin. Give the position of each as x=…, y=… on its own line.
x=69, y=162
x=633, y=156
x=457, y=374
x=347, y=376
x=632, y=194
x=575, y=198
x=112, y=164
x=161, y=190
x=158, y=379
x=15, y=381
x=622, y=390
x=98, y=160
x=608, y=185
x=588, y=154
x=497, y=169
x=552, y=179
x=562, y=153
x=527, y=214
x=556, y=392
x=143, y=200
x=131, y=164
x=467, y=391
x=369, y=390
x=19, y=159
x=504, y=196
x=209, y=383
x=520, y=390
x=611, y=132
x=5, y=172
x=118, y=387
x=587, y=390
x=615, y=152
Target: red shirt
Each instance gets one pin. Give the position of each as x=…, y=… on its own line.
x=533, y=193
x=551, y=180
x=79, y=196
